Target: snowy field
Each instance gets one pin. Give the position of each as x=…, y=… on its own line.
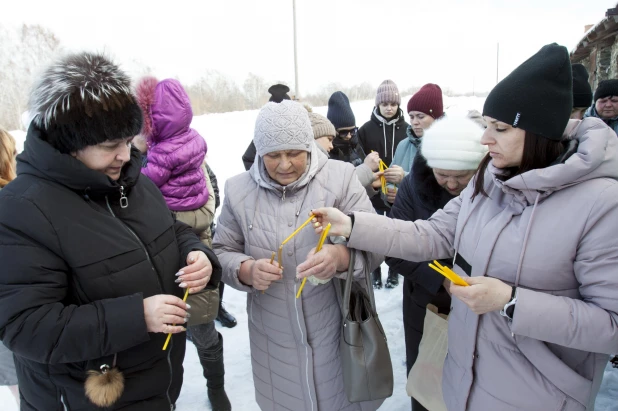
x=227, y=136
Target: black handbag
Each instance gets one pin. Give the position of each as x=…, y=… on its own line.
x=366, y=361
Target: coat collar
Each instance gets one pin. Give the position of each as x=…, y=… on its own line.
x=39, y=158
x=427, y=189
x=398, y=120
x=317, y=160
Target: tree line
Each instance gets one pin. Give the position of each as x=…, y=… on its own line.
x=27, y=49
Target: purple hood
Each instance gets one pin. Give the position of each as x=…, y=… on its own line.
x=176, y=151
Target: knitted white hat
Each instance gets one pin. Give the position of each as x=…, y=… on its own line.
x=453, y=143
x=282, y=126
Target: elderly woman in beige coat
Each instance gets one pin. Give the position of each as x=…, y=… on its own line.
x=535, y=231
x=294, y=342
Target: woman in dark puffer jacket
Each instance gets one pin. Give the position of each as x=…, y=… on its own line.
x=94, y=265
x=446, y=162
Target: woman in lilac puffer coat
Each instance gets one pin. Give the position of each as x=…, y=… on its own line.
x=175, y=150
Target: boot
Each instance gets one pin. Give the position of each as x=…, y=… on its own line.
x=226, y=319
x=376, y=278
x=392, y=280
x=212, y=364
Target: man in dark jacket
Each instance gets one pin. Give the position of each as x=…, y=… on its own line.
x=605, y=104
x=94, y=265
x=382, y=134
x=432, y=182
x=278, y=93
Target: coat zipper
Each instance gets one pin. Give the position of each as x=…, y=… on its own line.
x=283, y=196
x=125, y=202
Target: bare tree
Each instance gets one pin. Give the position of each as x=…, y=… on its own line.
x=23, y=53
x=256, y=91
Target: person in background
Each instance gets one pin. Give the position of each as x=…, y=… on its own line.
x=176, y=163
x=582, y=92
x=91, y=254
x=346, y=146
x=605, y=104
x=533, y=235
x=382, y=134
x=424, y=107
x=450, y=152
x=294, y=341
x=278, y=93
x=8, y=377
x=323, y=131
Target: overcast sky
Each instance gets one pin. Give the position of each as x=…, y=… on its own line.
x=452, y=43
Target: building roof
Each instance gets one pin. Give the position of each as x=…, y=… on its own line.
x=601, y=34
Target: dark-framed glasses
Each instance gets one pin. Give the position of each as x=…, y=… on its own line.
x=344, y=133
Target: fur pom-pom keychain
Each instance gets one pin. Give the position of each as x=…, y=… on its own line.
x=104, y=387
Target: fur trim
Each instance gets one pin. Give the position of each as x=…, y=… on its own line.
x=103, y=389
x=145, y=94
x=78, y=79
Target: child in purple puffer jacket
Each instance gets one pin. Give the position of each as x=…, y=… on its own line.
x=176, y=152
x=175, y=163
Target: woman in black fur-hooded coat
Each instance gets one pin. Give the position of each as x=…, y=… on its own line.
x=90, y=253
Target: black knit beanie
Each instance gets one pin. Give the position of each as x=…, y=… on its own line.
x=278, y=93
x=537, y=96
x=339, y=111
x=582, y=92
x=82, y=100
x=606, y=88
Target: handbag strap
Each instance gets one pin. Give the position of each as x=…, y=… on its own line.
x=348, y=284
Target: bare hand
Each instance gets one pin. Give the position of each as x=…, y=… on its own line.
x=394, y=174
x=373, y=161
x=377, y=183
x=162, y=311
x=391, y=193
x=323, y=264
x=485, y=294
x=341, y=224
x=263, y=273
x=196, y=274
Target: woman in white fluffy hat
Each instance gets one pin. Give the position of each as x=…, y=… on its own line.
x=450, y=152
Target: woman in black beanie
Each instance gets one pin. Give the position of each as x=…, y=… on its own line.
x=582, y=92
x=533, y=236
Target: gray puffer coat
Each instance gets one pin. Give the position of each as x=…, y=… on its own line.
x=294, y=342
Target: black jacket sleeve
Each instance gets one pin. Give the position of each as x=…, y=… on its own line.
x=249, y=157
x=187, y=242
x=215, y=186
x=362, y=138
x=36, y=322
x=404, y=209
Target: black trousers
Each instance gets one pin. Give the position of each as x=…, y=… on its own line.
x=415, y=301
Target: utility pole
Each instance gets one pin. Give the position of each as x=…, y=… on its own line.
x=497, y=60
x=296, y=88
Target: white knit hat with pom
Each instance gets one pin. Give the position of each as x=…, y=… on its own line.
x=453, y=143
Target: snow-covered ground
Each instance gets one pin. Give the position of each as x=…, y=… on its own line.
x=228, y=135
